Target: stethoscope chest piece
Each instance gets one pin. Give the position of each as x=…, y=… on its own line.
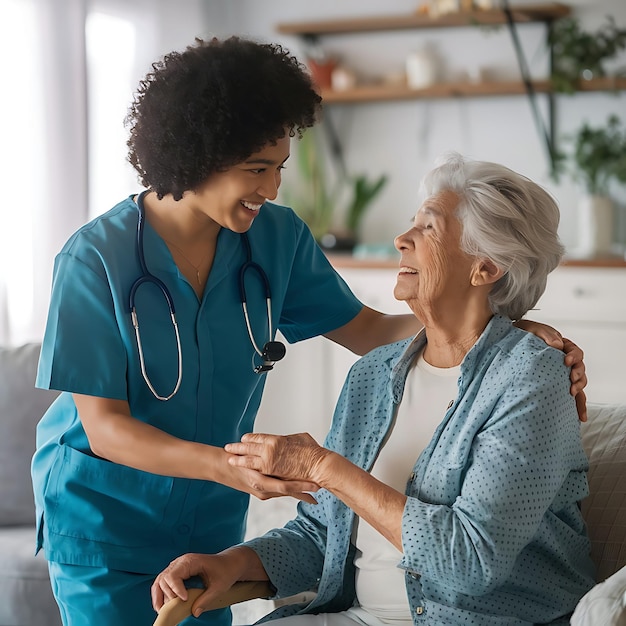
x=272, y=351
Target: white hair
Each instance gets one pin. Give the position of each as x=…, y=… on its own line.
x=506, y=218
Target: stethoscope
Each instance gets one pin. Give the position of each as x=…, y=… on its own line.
x=271, y=351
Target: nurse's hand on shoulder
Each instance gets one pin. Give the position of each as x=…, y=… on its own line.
x=573, y=358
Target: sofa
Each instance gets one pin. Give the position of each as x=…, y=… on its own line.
x=604, y=510
x=26, y=595
x=27, y=598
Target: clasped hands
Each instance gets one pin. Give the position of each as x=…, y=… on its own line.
x=288, y=457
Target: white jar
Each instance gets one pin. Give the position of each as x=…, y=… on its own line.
x=421, y=69
x=595, y=225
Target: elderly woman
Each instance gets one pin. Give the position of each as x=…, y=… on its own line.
x=451, y=478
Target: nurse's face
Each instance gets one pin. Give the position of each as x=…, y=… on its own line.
x=233, y=198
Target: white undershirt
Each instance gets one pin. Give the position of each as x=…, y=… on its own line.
x=380, y=583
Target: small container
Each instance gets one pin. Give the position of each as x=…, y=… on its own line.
x=342, y=79
x=322, y=71
x=421, y=69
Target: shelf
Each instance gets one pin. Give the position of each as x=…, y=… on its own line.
x=602, y=84
x=508, y=15
x=381, y=93
x=521, y=14
x=348, y=261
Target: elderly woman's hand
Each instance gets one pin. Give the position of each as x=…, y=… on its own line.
x=219, y=572
x=213, y=569
x=290, y=457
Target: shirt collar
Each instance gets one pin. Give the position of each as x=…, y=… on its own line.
x=495, y=330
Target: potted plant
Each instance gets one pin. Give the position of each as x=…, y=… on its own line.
x=314, y=203
x=581, y=55
x=335, y=214
x=598, y=160
x=600, y=155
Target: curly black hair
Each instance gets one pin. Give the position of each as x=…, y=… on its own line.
x=211, y=106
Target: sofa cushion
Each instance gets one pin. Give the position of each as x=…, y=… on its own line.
x=604, y=605
x=27, y=598
x=21, y=407
x=604, y=440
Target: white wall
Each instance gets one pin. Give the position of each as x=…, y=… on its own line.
x=403, y=139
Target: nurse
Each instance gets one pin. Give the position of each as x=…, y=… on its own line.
x=130, y=470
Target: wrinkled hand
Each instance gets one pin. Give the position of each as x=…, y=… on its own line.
x=217, y=572
x=573, y=358
x=290, y=457
x=245, y=478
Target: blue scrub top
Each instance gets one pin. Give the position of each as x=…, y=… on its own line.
x=94, y=512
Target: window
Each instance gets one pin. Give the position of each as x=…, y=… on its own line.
x=111, y=80
x=21, y=163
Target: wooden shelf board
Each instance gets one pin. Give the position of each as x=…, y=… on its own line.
x=373, y=93
x=348, y=261
x=379, y=93
x=522, y=13
x=602, y=84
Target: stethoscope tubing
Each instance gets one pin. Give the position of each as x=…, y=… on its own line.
x=251, y=265
x=148, y=277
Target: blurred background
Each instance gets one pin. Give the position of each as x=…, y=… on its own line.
x=70, y=68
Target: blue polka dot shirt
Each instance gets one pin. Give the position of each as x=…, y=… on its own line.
x=492, y=532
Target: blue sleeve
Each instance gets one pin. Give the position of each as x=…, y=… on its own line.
x=82, y=350
x=317, y=299
x=293, y=556
x=525, y=460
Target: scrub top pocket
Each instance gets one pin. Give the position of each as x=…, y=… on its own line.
x=90, y=498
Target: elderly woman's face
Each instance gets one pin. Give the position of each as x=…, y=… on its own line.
x=433, y=270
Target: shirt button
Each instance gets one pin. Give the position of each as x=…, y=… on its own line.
x=412, y=476
x=451, y=403
x=419, y=610
x=183, y=529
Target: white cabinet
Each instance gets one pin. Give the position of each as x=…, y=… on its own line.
x=374, y=287
x=588, y=305
x=302, y=389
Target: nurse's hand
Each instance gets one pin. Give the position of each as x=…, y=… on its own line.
x=218, y=573
x=262, y=486
x=573, y=358
x=290, y=457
